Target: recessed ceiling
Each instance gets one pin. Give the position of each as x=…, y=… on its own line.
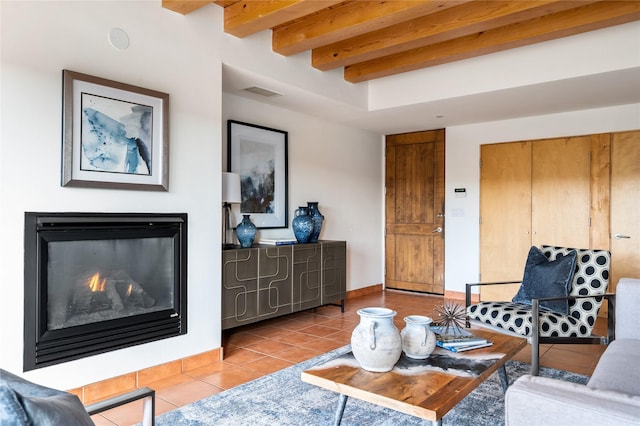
x=373, y=39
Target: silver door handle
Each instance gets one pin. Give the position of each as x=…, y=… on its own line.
x=438, y=229
x=620, y=236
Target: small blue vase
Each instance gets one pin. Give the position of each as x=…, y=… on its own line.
x=246, y=232
x=302, y=225
x=317, y=218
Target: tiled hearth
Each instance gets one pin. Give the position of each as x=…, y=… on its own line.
x=260, y=349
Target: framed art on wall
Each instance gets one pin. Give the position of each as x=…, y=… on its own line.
x=115, y=135
x=259, y=155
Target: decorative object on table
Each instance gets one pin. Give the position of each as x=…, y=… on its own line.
x=230, y=195
x=115, y=135
x=302, y=225
x=418, y=341
x=259, y=155
x=246, y=232
x=376, y=343
x=318, y=219
x=278, y=241
x=452, y=317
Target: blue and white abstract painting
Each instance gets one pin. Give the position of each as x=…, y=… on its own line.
x=116, y=136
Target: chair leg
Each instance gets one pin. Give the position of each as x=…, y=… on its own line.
x=535, y=338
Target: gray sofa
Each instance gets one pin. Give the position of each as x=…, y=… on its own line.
x=612, y=395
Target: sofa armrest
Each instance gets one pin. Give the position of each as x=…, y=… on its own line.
x=541, y=401
x=626, y=309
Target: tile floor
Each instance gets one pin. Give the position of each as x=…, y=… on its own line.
x=260, y=349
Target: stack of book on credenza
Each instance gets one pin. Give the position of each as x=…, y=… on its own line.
x=278, y=242
x=458, y=339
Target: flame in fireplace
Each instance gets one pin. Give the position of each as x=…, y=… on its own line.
x=95, y=283
x=129, y=289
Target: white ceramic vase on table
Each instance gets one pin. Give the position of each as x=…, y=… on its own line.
x=418, y=340
x=376, y=342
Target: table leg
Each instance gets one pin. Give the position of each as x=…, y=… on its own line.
x=504, y=380
x=342, y=401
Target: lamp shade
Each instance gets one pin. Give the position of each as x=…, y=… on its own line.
x=231, y=188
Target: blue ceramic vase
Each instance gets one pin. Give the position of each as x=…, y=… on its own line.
x=246, y=232
x=317, y=218
x=302, y=225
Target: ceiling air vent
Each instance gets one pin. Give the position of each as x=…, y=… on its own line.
x=262, y=91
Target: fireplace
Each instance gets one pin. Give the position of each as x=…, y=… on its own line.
x=96, y=282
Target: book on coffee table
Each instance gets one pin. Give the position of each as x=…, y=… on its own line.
x=455, y=337
x=464, y=348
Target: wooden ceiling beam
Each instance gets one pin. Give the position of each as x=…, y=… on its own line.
x=570, y=22
x=349, y=19
x=249, y=17
x=446, y=25
x=184, y=7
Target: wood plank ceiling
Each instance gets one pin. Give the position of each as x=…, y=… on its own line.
x=373, y=39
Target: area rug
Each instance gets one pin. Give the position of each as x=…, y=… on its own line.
x=282, y=398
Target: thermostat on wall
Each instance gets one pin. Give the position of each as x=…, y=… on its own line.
x=460, y=192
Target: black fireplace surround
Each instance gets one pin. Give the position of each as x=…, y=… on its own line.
x=97, y=282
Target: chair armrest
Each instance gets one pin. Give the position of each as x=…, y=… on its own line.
x=149, y=409
x=467, y=293
x=545, y=401
x=611, y=320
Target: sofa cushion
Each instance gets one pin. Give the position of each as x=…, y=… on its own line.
x=516, y=317
x=547, y=278
x=618, y=369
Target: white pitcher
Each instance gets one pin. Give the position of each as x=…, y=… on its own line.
x=376, y=342
x=418, y=340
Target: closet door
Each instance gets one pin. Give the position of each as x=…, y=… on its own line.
x=505, y=216
x=560, y=192
x=625, y=206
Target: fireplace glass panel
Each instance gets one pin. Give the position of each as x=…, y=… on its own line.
x=92, y=281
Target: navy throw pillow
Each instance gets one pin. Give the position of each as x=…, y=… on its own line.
x=543, y=278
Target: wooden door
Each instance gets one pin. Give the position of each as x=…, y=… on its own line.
x=505, y=216
x=414, y=232
x=560, y=192
x=625, y=207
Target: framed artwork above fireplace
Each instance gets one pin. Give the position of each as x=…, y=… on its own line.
x=115, y=135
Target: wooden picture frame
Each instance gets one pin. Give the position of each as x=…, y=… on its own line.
x=115, y=135
x=259, y=155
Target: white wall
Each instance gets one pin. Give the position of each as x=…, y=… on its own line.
x=337, y=166
x=39, y=39
x=462, y=240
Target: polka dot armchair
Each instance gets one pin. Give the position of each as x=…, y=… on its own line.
x=587, y=289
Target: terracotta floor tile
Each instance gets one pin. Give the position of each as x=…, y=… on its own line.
x=269, y=346
x=231, y=377
x=268, y=365
x=323, y=345
x=99, y=420
x=242, y=356
x=298, y=354
x=168, y=382
x=318, y=330
x=296, y=338
x=131, y=413
x=186, y=393
x=206, y=370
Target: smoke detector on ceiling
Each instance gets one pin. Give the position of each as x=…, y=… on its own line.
x=262, y=91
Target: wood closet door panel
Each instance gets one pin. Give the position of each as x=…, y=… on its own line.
x=505, y=216
x=414, y=242
x=560, y=192
x=625, y=206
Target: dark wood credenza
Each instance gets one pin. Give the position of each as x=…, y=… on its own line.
x=268, y=281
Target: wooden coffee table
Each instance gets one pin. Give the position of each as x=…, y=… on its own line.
x=423, y=388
